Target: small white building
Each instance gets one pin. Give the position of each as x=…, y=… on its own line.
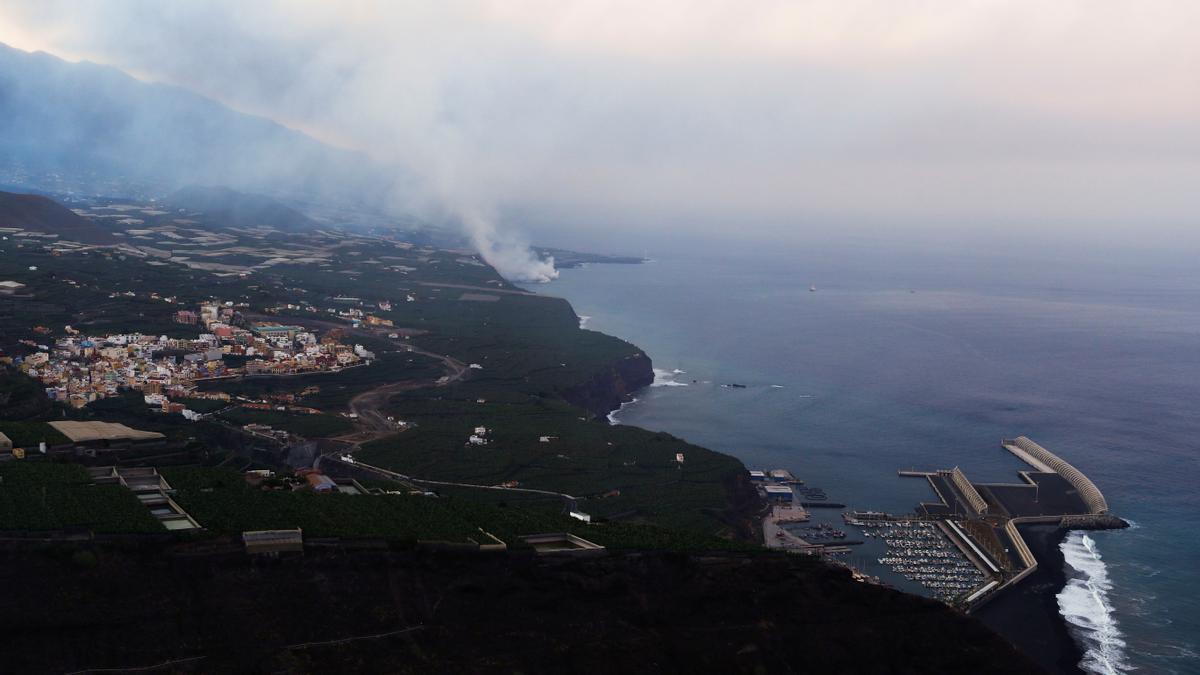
x=479, y=437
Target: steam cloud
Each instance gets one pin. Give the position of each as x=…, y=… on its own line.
x=511, y=257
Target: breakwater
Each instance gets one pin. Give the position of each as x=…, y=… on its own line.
x=1048, y=462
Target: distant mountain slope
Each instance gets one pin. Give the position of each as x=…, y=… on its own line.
x=239, y=209
x=42, y=214
x=90, y=125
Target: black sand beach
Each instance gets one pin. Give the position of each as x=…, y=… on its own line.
x=1028, y=615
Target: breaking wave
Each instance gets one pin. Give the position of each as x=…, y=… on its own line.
x=612, y=416
x=1085, y=605
x=666, y=378
x=583, y=320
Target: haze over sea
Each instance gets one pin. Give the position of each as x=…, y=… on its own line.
x=926, y=361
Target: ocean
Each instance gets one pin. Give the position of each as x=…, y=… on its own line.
x=901, y=361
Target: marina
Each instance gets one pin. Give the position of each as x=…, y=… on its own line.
x=961, y=548
x=920, y=551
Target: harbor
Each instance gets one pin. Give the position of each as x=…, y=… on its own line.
x=790, y=525
x=963, y=547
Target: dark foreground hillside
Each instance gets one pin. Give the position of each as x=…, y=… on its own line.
x=65, y=610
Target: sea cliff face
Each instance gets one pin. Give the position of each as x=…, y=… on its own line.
x=608, y=389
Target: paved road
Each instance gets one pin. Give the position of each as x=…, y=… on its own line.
x=481, y=289
x=569, y=502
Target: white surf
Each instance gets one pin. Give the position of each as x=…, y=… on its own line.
x=1085, y=605
x=666, y=378
x=612, y=416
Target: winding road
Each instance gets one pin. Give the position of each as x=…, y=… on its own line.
x=569, y=502
x=369, y=404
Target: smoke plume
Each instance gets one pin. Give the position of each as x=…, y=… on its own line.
x=511, y=256
x=748, y=122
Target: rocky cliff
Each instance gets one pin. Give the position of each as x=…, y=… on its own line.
x=607, y=390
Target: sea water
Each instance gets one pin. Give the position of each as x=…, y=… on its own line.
x=894, y=363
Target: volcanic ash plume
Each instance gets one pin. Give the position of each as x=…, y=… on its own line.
x=511, y=257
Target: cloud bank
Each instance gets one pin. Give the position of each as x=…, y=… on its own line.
x=754, y=120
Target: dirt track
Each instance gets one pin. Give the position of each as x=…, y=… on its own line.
x=367, y=405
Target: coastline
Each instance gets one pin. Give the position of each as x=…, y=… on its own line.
x=609, y=390
x=1028, y=615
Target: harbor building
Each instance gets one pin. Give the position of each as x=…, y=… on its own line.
x=779, y=493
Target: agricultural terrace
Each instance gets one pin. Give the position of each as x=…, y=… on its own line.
x=41, y=496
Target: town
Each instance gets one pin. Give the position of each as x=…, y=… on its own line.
x=80, y=369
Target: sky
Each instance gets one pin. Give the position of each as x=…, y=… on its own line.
x=570, y=121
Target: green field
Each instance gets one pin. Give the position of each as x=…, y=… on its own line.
x=223, y=502
x=21, y=396
x=29, y=434
x=202, y=405
x=586, y=459
x=44, y=496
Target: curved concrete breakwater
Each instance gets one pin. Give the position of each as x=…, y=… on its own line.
x=1047, y=461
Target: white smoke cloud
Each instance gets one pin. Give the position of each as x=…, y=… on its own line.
x=511, y=256
x=782, y=117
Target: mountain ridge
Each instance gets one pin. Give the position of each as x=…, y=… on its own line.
x=90, y=125
x=240, y=209
x=42, y=214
